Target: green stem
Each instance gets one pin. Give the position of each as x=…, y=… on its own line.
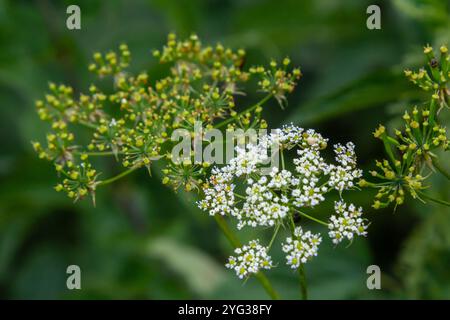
x=267, y=285
x=274, y=236
x=439, y=168
x=227, y=121
x=98, y=154
x=313, y=219
x=301, y=270
x=424, y=195
x=387, y=148
x=303, y=284
x=87, y=124
x=232, y=238
x=117, y=177
x=237, y=195
x=291, y=220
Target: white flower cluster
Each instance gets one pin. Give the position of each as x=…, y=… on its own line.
x=343, y=175
x=247, y=159
x=267, y=198
x=250, y=259
x=290, y=136
x=310, y=166
x=302, y=248
x=346, y=223
x=241, y=191
x=263, y=206
x=219, y=198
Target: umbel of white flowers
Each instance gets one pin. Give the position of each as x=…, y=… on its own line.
x=273, y=200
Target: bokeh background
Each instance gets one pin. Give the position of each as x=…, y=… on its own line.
x=144, y=241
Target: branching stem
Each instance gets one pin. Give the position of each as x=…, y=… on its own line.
x=312, y=218
x=424, y=195
x=227, y=121
x=117, y=177
x=439, y=168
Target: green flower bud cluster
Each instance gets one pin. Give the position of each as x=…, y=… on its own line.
x=438, y=73
x=111, y=63
x=277, y=81
x=133, y=117
x=412, y=149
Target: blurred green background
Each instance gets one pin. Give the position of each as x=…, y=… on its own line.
x=145, y=241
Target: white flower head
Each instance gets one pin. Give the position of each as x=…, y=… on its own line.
x=219, y=195
x=346, y=223
x=345, y=155
x=267, y=199
x=342, y=176
x=249, y=259
x=290, y=136
x=301, y=248
x=247, y=159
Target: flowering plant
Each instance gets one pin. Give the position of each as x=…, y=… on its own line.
x=134, y=122
x=414, y=148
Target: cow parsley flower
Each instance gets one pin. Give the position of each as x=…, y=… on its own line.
x=266, y=210
x=345, y=155
x=267, y=199
x=310, y=163
x=219, y=196
x=301, y=248
x=346, y=223
x=290, y=136
x=249, y=259
x=257, y=198
x=247, y=159
x=342, y=176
